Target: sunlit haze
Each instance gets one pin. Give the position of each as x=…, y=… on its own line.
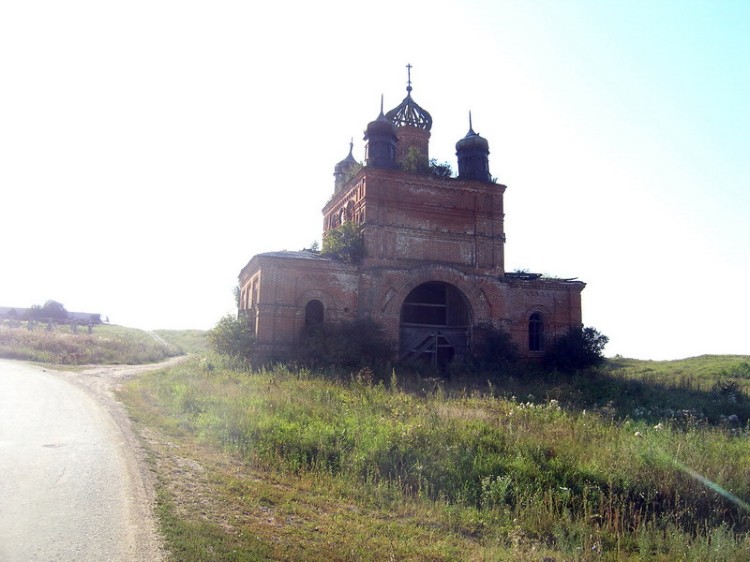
x=148, y=149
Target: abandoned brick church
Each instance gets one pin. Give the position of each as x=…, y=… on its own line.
x=432, y=265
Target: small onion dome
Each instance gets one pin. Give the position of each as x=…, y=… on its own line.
x=472, y=141
x=347, y=162
x=380, y=150
x=381, y=126
x=472, y=152
x=341, y=172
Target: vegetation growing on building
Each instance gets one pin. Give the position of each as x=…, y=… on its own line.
x=416, y=163
x=344, y=243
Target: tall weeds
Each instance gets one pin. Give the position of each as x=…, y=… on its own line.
x=560, y=476
x=106, y=345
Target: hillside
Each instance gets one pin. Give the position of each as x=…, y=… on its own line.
x=106, y=344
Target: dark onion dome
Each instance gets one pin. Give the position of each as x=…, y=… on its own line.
x=347, y=162
x=408, y=113
x=380, y=150
x=472, y=141
x=342, y=171
x=381, y=126
x=472, y=152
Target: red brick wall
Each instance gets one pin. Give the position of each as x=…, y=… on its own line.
x=347, y=292
x=417, y=229
x=410, y=218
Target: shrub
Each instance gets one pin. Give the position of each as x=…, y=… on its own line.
x=579, y=348
x=415, y=162
x=344, y=243
x=492, y=347
x=232, y=337
x=349, y=344
x=440, y=169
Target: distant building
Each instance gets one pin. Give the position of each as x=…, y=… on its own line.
x=432, y=265
x=15, y=313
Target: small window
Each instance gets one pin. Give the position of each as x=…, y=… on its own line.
x=536, y=332
x=314, y=314
x=254, y=295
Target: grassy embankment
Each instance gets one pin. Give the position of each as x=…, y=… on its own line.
x=107, y=344
x=643, y=461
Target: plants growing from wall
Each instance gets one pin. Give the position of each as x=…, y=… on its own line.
x=344, y=243
x=350, y=172
x=415, y=162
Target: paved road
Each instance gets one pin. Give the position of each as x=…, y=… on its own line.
x=68, y=487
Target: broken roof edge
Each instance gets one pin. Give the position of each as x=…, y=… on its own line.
x=299, y=254
x=291, y=255
x=528, y=276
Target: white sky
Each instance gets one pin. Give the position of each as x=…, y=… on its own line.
x=148, y=149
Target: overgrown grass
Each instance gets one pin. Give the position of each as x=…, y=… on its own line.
x=503, y=465
x=189, y=341
x=107, y=344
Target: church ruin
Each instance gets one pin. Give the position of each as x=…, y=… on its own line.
x=432, y=260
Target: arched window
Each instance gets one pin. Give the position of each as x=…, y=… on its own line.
x=254, y=296
x=314, y=313
x=536, y=332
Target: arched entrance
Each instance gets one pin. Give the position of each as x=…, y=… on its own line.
x=435, y=324
x=314, y=314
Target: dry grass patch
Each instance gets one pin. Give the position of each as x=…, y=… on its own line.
x=106, y=345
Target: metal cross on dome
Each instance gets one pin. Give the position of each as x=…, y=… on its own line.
x=408, y=112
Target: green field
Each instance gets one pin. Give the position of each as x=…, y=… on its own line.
x=641, y=460
x=189, y=341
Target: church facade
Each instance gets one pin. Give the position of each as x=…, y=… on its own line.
x=431, y=265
